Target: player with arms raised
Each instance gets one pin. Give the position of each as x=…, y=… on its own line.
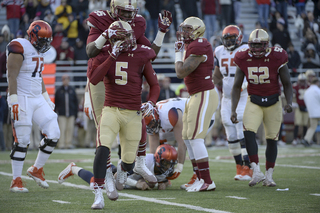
x=223, y=76
x=262, y=66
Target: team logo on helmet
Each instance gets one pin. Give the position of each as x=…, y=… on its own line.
x=166, y=158
x=40, y=35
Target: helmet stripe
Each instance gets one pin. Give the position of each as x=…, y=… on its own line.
x=257, y=34
x=120, y=24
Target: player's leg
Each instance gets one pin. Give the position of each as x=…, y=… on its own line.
x=73, y=169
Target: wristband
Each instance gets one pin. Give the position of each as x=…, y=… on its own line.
x=100, y=41
x=159, y=39
x=179, y=167
x=86, y=96
x=13, y=98
x=46, y=96
x=178, y=57
x=131, y=182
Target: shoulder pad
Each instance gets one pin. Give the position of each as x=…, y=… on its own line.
x=199, y=47
x=15, y=47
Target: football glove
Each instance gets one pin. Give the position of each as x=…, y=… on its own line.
x=87, y=106
x=177, y=172
x=146, y=108
x=142, y=185
x=164, y=21
x=14, y=107
x=48, y=100
x=179, y=46
x=116, y=49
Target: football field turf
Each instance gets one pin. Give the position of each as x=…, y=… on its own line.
x=297, y=174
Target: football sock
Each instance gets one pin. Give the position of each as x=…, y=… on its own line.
x=41, y=159
x=17, y=167
x=271, y=151
x=196, y=170
x=99, y=164
x=251, y=144
x=204, y=172
x=85, y=175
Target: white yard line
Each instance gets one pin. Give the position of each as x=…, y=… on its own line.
x=61, y=201
x=315, y=194
x=236, y=197
x=134, y=197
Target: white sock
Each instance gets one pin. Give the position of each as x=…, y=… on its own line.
x=17, y=167
x=41, y=159
x=75, y=170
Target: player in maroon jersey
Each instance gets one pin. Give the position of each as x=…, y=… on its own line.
x=99, y=22
x=301, y=116
x=196, y=70
x=122, y=73
x=262, y=66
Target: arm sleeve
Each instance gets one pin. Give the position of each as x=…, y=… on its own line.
x=93, y=34
x=97, y=72
x=152, y=80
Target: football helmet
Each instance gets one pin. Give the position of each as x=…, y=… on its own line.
x=40, y=35
x=124, y=10
x=153, y=121
x=121, y=30
x=191, y=29
x=166, y=158
x=258, y=43
x=231, y=37
x=302, y=77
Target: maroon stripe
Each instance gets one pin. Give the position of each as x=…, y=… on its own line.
x=198, y=115
x=120, y=24
x=98, y=142
x=257, y=34
x=129, y=2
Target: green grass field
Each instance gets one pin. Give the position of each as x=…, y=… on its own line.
x=297, y=169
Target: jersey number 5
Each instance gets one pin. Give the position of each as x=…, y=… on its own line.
x=225, y=63
x=258, y=75
x=121, y=73
x=39, y=60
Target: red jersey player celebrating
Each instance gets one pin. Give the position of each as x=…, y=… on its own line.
x=262, y=67
x=99, y=22
x=196, y=69
x=122, y=73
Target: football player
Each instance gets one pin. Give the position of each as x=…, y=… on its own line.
x=196, y=69
x=121, y=71
x=99, y=22
x=262, y=66
x=223, y=76
x=29, y=102
x=161, y=164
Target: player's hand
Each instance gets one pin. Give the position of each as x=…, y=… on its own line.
x=116, y=49
x=234, y=117
x=164, y=185
x=87, y=106
x=177, y=172
x=14, y=107
x=288, y=108
x=164, y=21
x=179, y=46
x=48, y=100
x=51, y=104
x=146, y=108
x=142, y=185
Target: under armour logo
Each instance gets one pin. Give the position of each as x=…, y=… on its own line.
x=267, y=59
x=130, y=54
x=264, y=99
x=249, y=59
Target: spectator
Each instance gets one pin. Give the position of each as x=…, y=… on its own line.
x=7, y=127
x=64, y=51
x=190, y=8
x=83, y=31
x=72, y=30
x=153, y=6
x=50, y=18
x=310, y=38
x=281, y=36
x=31, y=8
x=169, y=6
x=15, y=8
x=165, y=91
x=58, y=35
x=3, y=44
x=236, y=9
x=25, y=23
x=208, y=8
x=310, y=58
x=97, y=5
x=282, y=7
x=294, y=60
x=42, y=8
x=299, y=24
x=274, y=19
x=300, y=6
x=67, y=110
x=312, y=101
x=6, y=34
x=263, y=11
x=311, y=22
x=80, y=49
x=245, y=37
x=226, y=9
x=62, y=13
x=80, y=9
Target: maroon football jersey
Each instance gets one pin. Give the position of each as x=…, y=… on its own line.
x=262, y=73
x=299, y=91
x=201, y=78
x=124, y=79
x=102, y=19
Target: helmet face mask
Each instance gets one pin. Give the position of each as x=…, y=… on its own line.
x=166, y=158
x=258, y=43
x=231, y=37
x=124, y=33
x=124, y=10
x=191, y=29
x=40, y=35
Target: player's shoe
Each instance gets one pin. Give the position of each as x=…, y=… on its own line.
x=246, y=173
x=37, y=175
x=111, y=190
x=239, y=172
x=192, y=180
x=98, y=199
x=66, y=173
x=141, y=169
x=257, y=175
x=121, y=177
x=305, y=143
x=18, y=186
x=294, y=142
x=269, y=181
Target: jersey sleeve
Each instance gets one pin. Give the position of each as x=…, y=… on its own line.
x=152, y=80
x=198, y=47
x=282, y=56
x=15, y=47
x=144, y=41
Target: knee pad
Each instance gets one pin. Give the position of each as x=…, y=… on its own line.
x=127, y=166
x=231, y=132
x=234, y=147
x=199, y=149
x=47, y=145
x=18, y=152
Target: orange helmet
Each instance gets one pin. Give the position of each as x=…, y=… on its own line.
x=166, y=158
x=40, y=35
x=231, y=37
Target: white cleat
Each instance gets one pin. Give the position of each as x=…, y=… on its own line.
x=98, y=199
x=257, y=175
x=192, y=180
x=18, y=186
x=111, y=190
x=141, y=169
x=37, y=175
x=196, y=186
x=269, y=181
x=66, y=173
x=121, y=177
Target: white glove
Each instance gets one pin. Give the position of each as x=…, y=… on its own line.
x=244, y=86
x=14, y=107
x=47, y=98
x=87, y=106
x=177, y=172
x=146, y=108
x=179, y=46
x=116, y=49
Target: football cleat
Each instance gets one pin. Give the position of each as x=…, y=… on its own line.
x=239, y=172
x=18, y=186
x=141, y=169
x=192, y=180
x=208, y=187
x=257, y=175
x=98, y=199
x=37, y=175
x=305, y=143
x=246, y=173
x=66, y=173
x=111, y=191
x=121, y=177
x=269, y=181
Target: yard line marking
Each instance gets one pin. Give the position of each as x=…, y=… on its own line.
x=168, y=198
x=136, y=197
x=61, y=201
x=315, y=194
x=236, y=197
